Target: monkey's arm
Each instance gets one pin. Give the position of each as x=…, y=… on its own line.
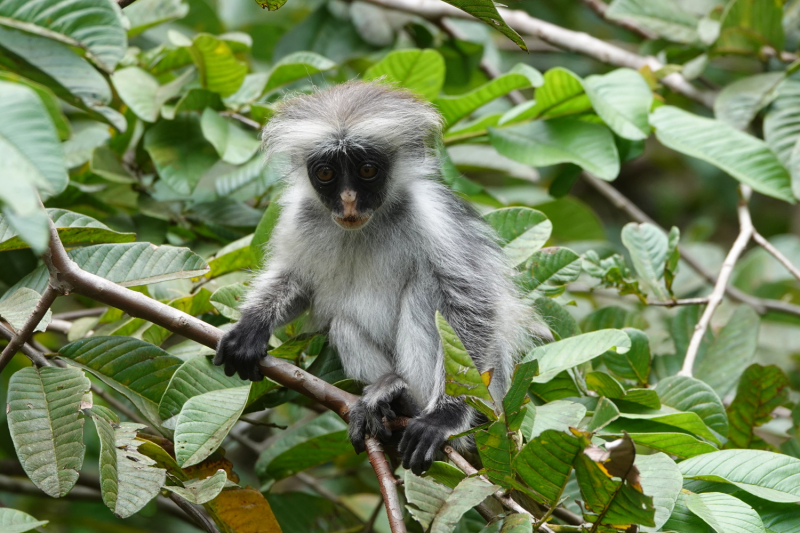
x=275, y=299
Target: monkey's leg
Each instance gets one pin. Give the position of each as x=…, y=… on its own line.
x=388, y=398
x=426, y=433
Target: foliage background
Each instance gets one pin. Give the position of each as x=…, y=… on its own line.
x=186, y=173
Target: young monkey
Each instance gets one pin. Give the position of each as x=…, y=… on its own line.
x=373, y=245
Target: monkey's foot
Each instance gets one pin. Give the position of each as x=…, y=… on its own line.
x=241, y=349
x=366, y=418
x=422, y=439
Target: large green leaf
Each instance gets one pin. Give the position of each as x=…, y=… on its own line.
x=179, y=151
x=220, y=71
x=17, y=306
x=295, y=67
x=46, y=426
x=305, y=446
x=782, y=129
x=495, y=450
x=454, y=108
x=633, y=364
x=689, y=422
x=623, y=100
x=135, y=368
x=663, y=17
x=469, y=493
x=205, y=421
x=486, y=11
x=661, y=478
x=739, y=103
x=233, y=144
x=681, y=445
x=683, y=520
x=461, y=375
x=93, y=26
x=545, y=463
x=228, y=299
x=141, y=91
x=752, y=163
x=562, y=93
x=724, y=513
x=548, y=271
x=732, y=351
x=128, y=479
x=195, y=377
x=13, y=521
x=761, y=389
x=31, y=160
x=768, y=475
x=647, y=245
x=566, y=353
x=748, y=25
x=425, y=497
x=522, y=230
x=421, y=71
x=144, y=14
x=73, y=228
x=53, y=106
x=559, y=415
x=563, y=140
x=557, y=318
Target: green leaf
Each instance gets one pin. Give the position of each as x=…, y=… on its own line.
x=233, y=144
x=517, y=395
x=561, y=94
x=16, y=307
x=680, y=445
x=271, y=5
x=515, y=523
x=93, y=26
x=421, y=71
x=748, y=25
x=689, y=422
x=305, y=446
x=73, y=228
x=665, y=18
x=296, y=66
x=739, y=103
x=13, y=521
x=204, y=422
x=559, y=415
x=461, y=376
x=564, y=354
x=734, y=349
x=486, y=11
x=194, y=377
x=684, y=520
x=32, y=161
x=220, y=71
x=550, y=270
x=545, y=463
x=633, y=364
x=661, y=478
x=228, y=299
x=43, y=412
x=522, y=230
x=752, y=163
x=604, y=414
x=128, y=479
x=141, y=91
x=51, y=103
x=782, y=129
x=445, y=473
x=495, y=449
x=454, y=108
x=724, y=513
x=201, y=491
x=557, y=318
x=562, y=140
x=604, y=385
x=761, y=389
x=768, y=475
x=647, y=245
x=179, y=151
x=623, y=100
x=425, y=497
x=138, y=370
x=464, y=497
x=673, y=257
x=145, y=14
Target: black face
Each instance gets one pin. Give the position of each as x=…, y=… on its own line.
x=351, y=183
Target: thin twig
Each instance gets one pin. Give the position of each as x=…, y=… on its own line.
x=715, y=298
x=682, y=301
x=600, y=7
x=764, y=243
x=47, y=299
x=36, y=357
x=203, y=521
x=618, y=200
x=80, y=313
x=571, y=41
x=243, y=119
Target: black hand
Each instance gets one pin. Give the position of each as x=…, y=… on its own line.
x=422, y=439
x=242, y=348
x=366, y=420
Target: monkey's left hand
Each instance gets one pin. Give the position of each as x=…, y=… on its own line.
x=423, y=437
x=242, y=347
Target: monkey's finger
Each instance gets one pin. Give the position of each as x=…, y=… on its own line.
x=229, y=369
x=255, y=374
x=418, y=458
x=219, y=357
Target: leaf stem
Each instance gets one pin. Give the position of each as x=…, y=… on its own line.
x=21, y=337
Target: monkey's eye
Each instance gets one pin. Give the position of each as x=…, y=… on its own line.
x=325, y=174
x=368, y=171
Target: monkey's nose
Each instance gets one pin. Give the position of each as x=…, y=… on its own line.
x=348, y=196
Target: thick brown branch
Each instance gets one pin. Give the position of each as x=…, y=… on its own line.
x=19, y=340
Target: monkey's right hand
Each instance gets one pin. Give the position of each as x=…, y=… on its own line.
x=241, y=348
x=387, y=399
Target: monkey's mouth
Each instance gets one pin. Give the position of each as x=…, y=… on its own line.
x=352, y=221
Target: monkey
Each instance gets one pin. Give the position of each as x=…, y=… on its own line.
x=373, y=243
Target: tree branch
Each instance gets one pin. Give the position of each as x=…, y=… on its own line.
x=764, y=243
x=388, y=485
x=683, y=301
x=571, y=41
x=715, y=298
x=36, y=357
x=19, y=340
x=197, y=516
x=600, y=7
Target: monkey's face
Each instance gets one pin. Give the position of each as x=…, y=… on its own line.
x=351, y=182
